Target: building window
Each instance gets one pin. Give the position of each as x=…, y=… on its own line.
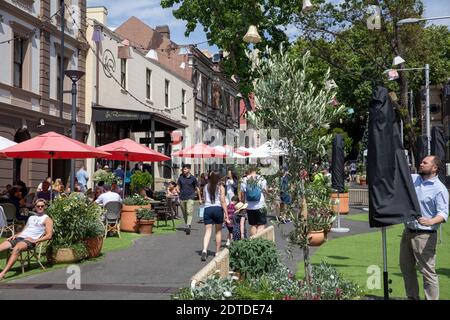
x=166, y=93
x=123, y=73
x=148, y=84
x=209, y=92
x=60, y=74
x=183, y=102
x=19, y=55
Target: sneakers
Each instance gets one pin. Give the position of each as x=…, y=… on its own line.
x=188, y=231
x=204, y=255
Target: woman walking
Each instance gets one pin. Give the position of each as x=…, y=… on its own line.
x=215, y=211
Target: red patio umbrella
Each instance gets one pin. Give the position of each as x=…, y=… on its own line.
x=199, y=150
x=129, y=150
x=52, y=145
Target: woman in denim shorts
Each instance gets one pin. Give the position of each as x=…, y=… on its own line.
x=215, y=212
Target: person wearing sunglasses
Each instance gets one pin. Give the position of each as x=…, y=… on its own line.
x=38, y=228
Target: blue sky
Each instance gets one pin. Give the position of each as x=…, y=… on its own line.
x=151, y=13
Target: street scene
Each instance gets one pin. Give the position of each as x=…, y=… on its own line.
x=255, y=150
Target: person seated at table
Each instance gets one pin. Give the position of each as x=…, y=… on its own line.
x=98, y=191
x=48, y=179
x=46, y=192
x=15, y=198
x=115, y=188
x=23, y=188
x=7, y=190
x=38, y=228
x=172, y=190
x=108, y=196
x=58, y=186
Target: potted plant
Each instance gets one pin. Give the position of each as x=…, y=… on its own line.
x=94, y=233
x=72, y=217
x=145, y=220
x=340, y=202
x=141, y=180
x=106, y=177
x=363, y=179
x=128, y=220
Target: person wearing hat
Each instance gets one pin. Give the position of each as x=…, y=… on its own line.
x=240, y=215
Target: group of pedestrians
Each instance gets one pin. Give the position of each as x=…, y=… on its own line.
x=223, y=204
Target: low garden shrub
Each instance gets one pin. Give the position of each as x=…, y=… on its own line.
x=253, y=258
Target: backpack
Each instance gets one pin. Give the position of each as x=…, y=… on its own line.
x=253, y=191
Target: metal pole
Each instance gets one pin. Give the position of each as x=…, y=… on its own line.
x=74, y=133
x=385, y=272
x=401, y=131
x=152, y=137
x=427, y=107
x=61, y=80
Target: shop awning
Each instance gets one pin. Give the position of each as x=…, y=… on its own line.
x=138, y=121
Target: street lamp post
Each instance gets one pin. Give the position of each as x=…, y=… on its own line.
x=427, y=102
x=427, y=77
x=73, y=75
x=416, y=20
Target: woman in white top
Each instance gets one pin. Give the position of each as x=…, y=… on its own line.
x=39, y=228
x=215, y=211
x=231, y=185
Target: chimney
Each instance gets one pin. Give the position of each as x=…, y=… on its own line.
x=98, y=13
x=164, y=30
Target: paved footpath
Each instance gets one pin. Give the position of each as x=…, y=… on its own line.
x=153, y=268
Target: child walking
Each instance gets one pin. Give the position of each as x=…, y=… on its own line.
x=240, y=215
x=230, y=224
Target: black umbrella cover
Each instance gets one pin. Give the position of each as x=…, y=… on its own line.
x=421, y=150
x=392, y=198
x=438, y=149
x=337, y=164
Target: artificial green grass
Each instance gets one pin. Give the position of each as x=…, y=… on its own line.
x=364, y=217
x=109, y=244
x=353, y=255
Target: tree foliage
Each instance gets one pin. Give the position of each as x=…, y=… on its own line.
x=336, y=34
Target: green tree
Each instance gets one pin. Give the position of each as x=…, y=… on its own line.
x=288, y=101
x=337, y=36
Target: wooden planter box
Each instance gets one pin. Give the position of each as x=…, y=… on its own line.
x=343, y=203
x=128, y=219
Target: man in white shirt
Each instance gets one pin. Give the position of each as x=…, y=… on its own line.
x=252, y=191
x=39, y=228
x=108, y=196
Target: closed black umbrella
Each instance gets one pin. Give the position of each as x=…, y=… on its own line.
x=421, y=150
x=392, y=198
x=337, y=164
x=438, y=149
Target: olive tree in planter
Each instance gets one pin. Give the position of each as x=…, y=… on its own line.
x=287, y=100
x=72, y=218
x=145, y=220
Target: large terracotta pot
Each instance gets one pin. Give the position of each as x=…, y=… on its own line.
x=316, y=238
x=65, y=255
x=128, y=219
x=146, y=226
x=343, y=203
x=94, y=246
